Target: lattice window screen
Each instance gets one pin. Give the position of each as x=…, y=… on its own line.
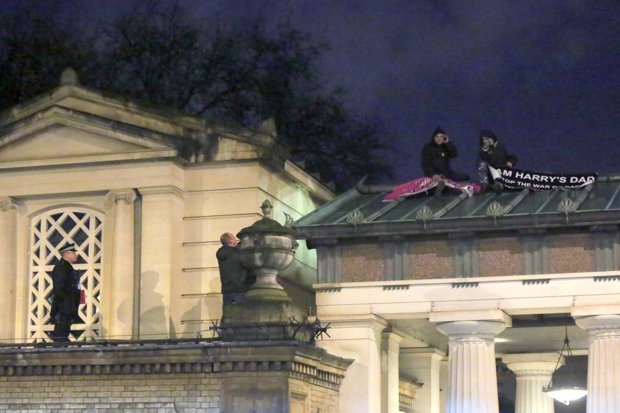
x=49, y=232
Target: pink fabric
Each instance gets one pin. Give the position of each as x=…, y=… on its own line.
x=410, y=188
x=424, y=184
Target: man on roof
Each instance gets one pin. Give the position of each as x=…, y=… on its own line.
x=492, y=154
x=436, y=157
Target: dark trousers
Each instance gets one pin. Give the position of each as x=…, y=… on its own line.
x=457, y=176
x=62, y=329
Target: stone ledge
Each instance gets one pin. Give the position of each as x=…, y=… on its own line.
x=297, y=360
x=465, y=285
x=395, y=287
x=539, y=281
x=607, y=278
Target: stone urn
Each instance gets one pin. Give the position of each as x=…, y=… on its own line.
x=266, y=248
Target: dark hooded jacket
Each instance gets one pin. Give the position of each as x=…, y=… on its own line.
x=436, y=158
x=496, y=155
x=235, y=278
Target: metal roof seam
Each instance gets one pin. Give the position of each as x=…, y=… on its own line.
x=516, y=201
x=613, y=198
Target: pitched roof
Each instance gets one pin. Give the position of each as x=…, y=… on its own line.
x=362, y=211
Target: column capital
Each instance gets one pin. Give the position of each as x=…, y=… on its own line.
x=533, y=364
x=471, y=330
x=448, y=314
x=125, y=195
x=534, y=372
x=607, y=325
x=607, y=306
x=6, y=203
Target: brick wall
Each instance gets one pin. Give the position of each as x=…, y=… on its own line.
x=364, y=262
x=156, y=393
x=430, y=259
x=500, y=256
x=571, y=253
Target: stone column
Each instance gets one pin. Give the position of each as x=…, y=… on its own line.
x=161, y=281
x=533, y=372
x=472, y=384
x=603, y=362
x=424, y=364
x=390, y=350
x=443, y=383
x=357, y=338
x=8, y=232
x=122, y=278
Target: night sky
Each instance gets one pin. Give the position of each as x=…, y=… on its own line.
x=543, y=75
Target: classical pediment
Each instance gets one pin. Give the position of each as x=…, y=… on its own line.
x=72, y=124
x=59, y=136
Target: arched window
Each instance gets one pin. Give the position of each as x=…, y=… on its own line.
x=50, y=231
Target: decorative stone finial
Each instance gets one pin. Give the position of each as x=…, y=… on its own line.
x=267, y=208
x=266, y=310
x=69, y=77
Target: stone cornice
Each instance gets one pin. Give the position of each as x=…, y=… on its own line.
x=296, y=360
x=357, y=320
x=162, y=190
x=313, y=185
x=60, y=97
x=136, y=156
x=57, y=116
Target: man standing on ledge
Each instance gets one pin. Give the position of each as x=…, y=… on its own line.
x=65, y=294
x=234, y=277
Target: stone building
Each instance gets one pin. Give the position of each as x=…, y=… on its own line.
x=145, y=194
x=462, y=295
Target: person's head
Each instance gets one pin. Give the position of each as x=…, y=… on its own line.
x=439, y=136
x=487, y=138
x=229, y=240
x=68, y=253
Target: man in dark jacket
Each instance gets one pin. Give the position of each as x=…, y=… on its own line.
x=436, y=157
x=65, y=294
x=234, y=277
x=493, y=154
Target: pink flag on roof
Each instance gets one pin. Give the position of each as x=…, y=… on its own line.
x=425, y=184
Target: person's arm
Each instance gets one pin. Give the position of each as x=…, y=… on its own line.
x=451, y=151
x=427, y=161
x=512, y=159
x=483, y=156
x=56, y=278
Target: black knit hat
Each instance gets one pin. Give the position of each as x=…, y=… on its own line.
x=486, y=133
x=437, y=131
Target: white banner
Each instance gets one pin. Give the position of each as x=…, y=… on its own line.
x=519, y=179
